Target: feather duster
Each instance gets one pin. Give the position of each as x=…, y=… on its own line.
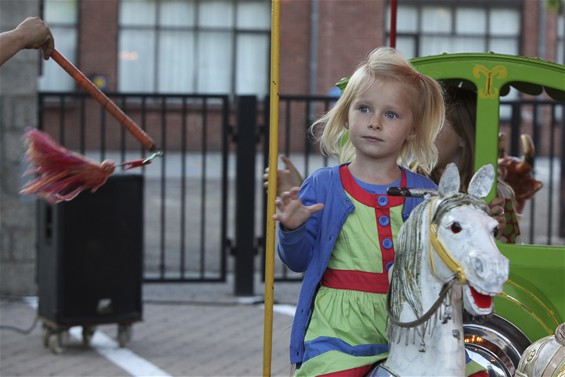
x=61, y=173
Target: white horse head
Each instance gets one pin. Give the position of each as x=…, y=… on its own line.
x=446, y=258
x=467, y=231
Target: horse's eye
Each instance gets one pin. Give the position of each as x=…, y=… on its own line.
x=456, y=227
x=495, y=232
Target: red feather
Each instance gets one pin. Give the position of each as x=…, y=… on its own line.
x=61, y=173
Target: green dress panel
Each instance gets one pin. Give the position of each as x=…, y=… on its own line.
x=347, y=332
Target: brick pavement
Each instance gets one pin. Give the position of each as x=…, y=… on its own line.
x=187, y=330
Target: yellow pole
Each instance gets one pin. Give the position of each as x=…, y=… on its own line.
x=271, y=189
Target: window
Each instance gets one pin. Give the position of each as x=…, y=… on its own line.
x=426, y=29
x=197, y=46
x=61, y=16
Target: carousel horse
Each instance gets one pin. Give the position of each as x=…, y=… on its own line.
x=545, y=357
x=446, y=260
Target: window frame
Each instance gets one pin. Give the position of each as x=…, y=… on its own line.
x=418, y=35
x=52, y=78
x=197, y=29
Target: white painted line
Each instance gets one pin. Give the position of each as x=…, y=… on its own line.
x=31, y=301
x=250, y=300
x=122, y=357
x=285, y=309
x=110, y=349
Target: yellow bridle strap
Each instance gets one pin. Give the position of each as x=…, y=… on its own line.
x=442, y=252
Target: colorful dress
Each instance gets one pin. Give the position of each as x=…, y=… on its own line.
x=346, y=335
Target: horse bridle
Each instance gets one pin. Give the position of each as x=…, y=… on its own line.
x=427, y=315
x=459, y=275
x=443, y=253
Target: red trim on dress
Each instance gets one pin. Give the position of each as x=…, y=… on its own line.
x=365, y=197
x=353, y=372
x=356, y=280
x=362, y=280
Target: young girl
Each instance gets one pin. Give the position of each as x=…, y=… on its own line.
x=340, y=227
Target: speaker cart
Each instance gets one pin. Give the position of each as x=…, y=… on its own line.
x=90, y=261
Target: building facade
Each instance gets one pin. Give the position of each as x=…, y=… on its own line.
x=223, y=46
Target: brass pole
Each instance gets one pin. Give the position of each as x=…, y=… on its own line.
x=271, y=188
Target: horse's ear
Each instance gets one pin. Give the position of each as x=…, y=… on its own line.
x=482, y=181
x=450, y=181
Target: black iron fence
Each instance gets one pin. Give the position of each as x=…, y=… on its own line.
x=187, y=193
x=204, y=199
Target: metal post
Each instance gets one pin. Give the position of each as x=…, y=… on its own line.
x=272, y=184
x=244, y=251
x=562, y=198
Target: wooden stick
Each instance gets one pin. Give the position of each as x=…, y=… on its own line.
x=106, y=102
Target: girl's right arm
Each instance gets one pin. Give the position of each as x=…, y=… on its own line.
x=298, y=217
x=292, y=213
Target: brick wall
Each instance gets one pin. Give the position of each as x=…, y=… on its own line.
x=294, y=46
x=18, y=110
x=98, y=39
x=348, y=30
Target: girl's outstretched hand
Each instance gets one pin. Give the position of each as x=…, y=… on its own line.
x=292, y=213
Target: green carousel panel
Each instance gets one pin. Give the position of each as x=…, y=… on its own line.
x=533, y=299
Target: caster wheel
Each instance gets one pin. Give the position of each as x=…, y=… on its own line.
x=124, y=334
x=46, y=333
x=87, y=333
x=54, y=343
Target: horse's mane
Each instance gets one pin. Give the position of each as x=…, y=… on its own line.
x=412, y=242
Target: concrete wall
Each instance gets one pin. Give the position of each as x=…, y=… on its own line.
x=18, y=110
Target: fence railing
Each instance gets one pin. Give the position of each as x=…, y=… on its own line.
x=211, y=172
x=186, y=190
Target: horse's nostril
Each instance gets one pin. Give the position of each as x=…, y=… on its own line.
x=478, y=266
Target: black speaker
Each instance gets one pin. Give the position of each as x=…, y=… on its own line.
x=90, y=255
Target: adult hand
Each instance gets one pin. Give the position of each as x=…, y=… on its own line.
x=30, y=33
x=497, y=212
x=36, y=34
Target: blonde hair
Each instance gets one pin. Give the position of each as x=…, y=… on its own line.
x=427, y=109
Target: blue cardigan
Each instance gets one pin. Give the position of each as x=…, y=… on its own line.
x=308, y=248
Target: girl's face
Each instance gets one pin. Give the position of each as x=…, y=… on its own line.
x=380, y=120
x=449, y=145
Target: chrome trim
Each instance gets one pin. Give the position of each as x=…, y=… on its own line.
x=496, y=344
